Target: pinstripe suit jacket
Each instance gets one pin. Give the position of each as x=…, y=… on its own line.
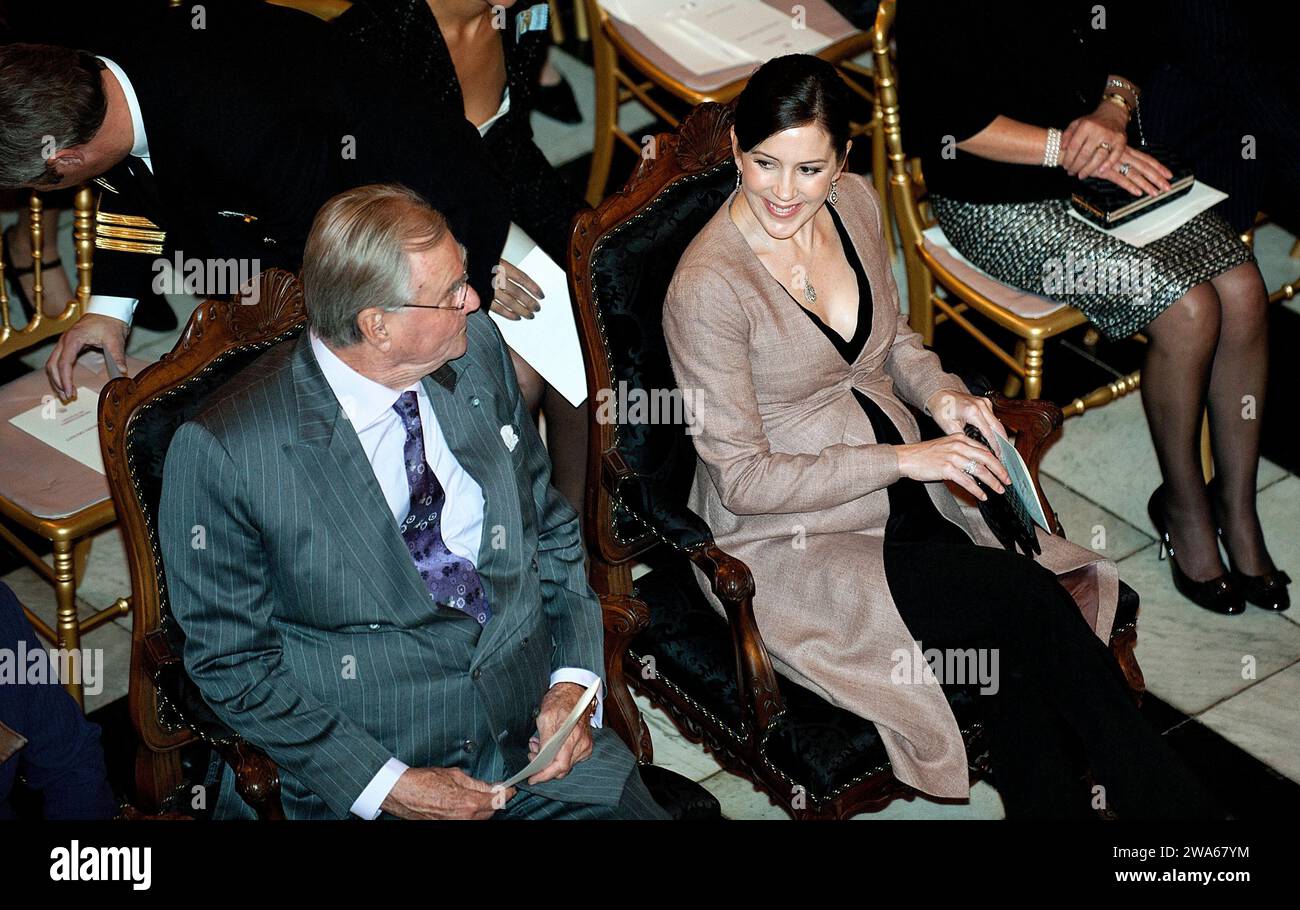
x=308, y=628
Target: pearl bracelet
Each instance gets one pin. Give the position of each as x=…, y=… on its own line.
x=1052, y=152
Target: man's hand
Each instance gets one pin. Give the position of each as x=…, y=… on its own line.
x=559, y=701
x=443, y=793
x=90, y=331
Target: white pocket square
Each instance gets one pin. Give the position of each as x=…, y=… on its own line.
x=508, y=437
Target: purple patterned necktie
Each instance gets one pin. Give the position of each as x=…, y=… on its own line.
x=452, y=580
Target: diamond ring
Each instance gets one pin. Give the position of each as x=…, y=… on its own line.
x=970, y=467
x=1124, y=169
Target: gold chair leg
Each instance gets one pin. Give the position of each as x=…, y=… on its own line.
x=67, y=629
x=604, y=60
x=80, y=559
x=1013, y=384
x=1207, y=456
x=880, y=177
x=557, y=27
x=580, y=22
x=1033, y=367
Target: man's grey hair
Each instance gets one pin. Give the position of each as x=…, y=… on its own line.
x=356, y=256
x=51, y=98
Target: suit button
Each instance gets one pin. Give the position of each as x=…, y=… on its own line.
x=524, y=642
x=470, y=745
x=477, y=672
x=534, y=563
x=474, y=401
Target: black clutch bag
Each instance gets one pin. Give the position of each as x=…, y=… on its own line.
x=1005, y=514
x=1107, y=205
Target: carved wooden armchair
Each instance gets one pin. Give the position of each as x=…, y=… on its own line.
x=138, y=417
x=713, y=675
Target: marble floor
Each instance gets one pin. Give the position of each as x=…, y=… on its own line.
x=1236, y=680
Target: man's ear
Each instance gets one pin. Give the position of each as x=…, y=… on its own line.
x=68, y=162
x=374, y=331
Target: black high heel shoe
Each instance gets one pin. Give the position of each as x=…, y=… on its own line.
x=557, y=102
x=1217, y=595
x=1267, y=590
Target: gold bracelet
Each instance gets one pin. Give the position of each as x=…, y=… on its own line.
x=1117, y=99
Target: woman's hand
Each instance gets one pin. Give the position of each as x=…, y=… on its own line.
x=515, y=295
x=1083, y=154
x=947, y=459
x=953, y=410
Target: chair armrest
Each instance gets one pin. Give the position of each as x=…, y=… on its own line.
x=624, y=618
x=1034, y=422
x=257, y=778
x=733, y=584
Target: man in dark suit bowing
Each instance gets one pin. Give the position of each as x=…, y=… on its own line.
x=215, y=136
x=390, y=597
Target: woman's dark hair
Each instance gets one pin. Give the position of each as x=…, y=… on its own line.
x=49, y=96
x=791, y=91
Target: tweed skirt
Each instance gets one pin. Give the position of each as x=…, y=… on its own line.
x=1039, y=247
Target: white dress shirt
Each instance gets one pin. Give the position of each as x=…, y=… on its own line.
x=123, y=308
x=368, y=405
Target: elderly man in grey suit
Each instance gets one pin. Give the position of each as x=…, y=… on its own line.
x=387, y=595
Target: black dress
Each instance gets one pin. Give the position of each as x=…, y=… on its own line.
x=912, y=515
x=405, y=35
x=1056, y=696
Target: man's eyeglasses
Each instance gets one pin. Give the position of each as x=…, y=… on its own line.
x=459, y=295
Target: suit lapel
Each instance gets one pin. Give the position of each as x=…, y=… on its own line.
x=347, y=494
x=466, y=410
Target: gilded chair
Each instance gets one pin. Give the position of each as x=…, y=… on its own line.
x=630, y=67
x=939, y=279
x=321, y=9
x=712, y=675
x=138, y=417
x=44, y=493
x=942, y=286
x=1291, y=288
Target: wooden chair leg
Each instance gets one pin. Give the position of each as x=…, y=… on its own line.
x=67, y=629
x=1012, y=387
x=157, y=775
x=604, y=61
x=1121, y=648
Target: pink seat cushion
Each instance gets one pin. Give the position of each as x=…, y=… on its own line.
x=37, y=478
x=1022, y=303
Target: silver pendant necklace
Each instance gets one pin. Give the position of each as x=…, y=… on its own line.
x=810, y=292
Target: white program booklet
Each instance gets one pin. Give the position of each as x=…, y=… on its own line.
x=548, y=341
x=553, y=745
x=71, y=428
x=1021, y=482
x=710, y=35
x=1164, y=220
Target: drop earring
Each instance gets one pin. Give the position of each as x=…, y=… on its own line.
x=737, y=178
x=834, y=197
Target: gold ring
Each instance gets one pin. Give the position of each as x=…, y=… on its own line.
x=1105, y=145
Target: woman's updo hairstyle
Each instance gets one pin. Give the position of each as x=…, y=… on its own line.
x=795, y=90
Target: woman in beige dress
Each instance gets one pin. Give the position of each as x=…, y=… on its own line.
x=783, y=321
